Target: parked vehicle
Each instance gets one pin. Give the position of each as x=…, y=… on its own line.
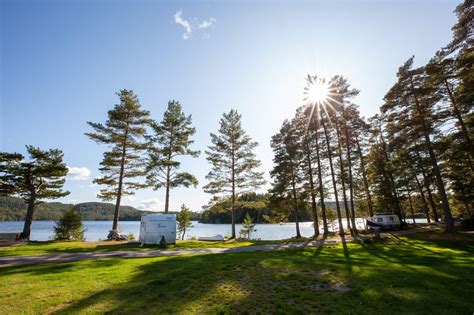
x=158, y=229
x=385, y=221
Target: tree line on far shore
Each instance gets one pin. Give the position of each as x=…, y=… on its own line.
x=415, y=155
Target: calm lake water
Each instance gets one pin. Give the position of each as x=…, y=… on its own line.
x=96, y=230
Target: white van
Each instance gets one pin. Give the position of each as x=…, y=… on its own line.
x=158, y=229
x=384, y=221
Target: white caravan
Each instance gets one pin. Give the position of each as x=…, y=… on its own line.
x=158, y=229
x=384, y=221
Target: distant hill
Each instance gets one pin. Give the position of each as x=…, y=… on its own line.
x=14, y=209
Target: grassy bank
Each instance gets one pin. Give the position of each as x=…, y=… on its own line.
x=421, y=273
x=52, y=247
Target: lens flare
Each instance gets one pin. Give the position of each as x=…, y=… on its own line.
x=317, y=92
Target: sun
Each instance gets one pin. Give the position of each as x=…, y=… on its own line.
x=317, y=91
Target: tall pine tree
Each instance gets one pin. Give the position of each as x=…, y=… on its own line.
x=171, y=140
x=287, y=173
x=40, y=177
x=234, y=165
x=124, y=133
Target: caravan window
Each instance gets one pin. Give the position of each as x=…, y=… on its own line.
x=379, y=219
x=391, y=218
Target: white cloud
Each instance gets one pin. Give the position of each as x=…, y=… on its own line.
x=78, y=173
x=207, y=24
x=193, y=24
x=178, y=19
x=153, y=204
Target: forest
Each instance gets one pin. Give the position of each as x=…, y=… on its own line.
x=14, y=209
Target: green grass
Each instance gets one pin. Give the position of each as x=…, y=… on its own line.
x=424, y=273
x=53, y=247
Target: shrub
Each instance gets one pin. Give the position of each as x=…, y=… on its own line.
x=69, y=227
x=183, y=218
x=248, y=226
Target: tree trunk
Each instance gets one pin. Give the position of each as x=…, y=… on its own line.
x=458, y=115
x=442, y=192
x=167, y=192
x=351, y=184
x=423, y=199
x=320, y=188
x=364, y=177
x=411, y=207
x=120, y=185
x=233, y=195
x=168, y=173
x=295, y=202
x=313, y=193
x=427, y=184
x=31, y=205
x=338, y=209
x=29, y=216
x=392, y=181
x=341, y=166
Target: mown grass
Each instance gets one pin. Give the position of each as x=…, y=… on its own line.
x=53, y=247
x=411, y=274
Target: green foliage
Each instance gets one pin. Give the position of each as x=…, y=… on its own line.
x=41, y=177
x=183, y=219
x=248, y=226
x=171, y=139
x=123, y=133
x=233, y=162
x=69, y=227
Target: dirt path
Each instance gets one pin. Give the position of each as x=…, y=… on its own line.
x=10, y=261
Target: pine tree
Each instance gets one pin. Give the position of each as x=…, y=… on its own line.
x=171, y=139
x=248, y=227
x=287, y=172
x=69, y=227
x=183, y=219
x=331, y=168
x=303, y=122
x=360, y=131
x=442, y=76
x=124, y=133
x=234, y=165
x=340, y=92
x=40, y=177
x=414, y=97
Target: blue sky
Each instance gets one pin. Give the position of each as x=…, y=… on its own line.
x=62, y=62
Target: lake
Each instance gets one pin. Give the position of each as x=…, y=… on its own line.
x=97, y=230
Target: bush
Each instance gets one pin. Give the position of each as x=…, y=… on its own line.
x=183, y=218
x=69, y=227
x=248, y=226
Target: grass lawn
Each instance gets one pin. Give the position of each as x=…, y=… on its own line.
x=420, y=273
x=53, y=247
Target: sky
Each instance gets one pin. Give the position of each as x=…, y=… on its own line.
x=61, y=63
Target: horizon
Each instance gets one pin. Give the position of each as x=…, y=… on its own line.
x=63, y=63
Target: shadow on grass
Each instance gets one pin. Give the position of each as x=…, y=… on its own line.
x=55, y=268
x=54, y=247
x=301, y=281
